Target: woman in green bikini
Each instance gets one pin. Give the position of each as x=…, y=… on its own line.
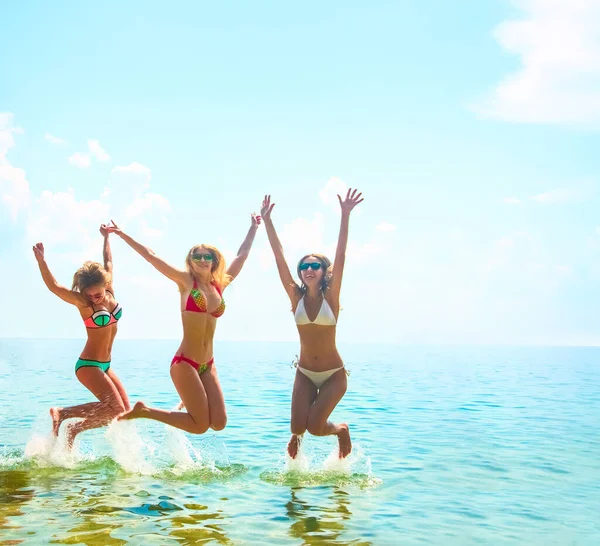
x=92, y=294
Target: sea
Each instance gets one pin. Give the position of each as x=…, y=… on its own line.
x=452, y=445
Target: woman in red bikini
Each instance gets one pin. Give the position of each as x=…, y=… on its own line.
x=92, y=293
x=320, y=377
x=193, y=371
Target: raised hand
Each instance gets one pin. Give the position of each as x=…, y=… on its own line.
x=104, y=230
x=38, y=251
x=113, y=228
x=350, y=201
x=267, y=207
x=256, y=220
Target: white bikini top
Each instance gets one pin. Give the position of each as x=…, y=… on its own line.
x=324, y=318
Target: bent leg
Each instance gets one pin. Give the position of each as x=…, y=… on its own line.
x=96, y=414
x=327, y=399
x=217, y=414
x=122, y=392
x=89, y=408
x=303, y=395
x=193, y=397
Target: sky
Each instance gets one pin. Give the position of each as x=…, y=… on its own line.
x=472, y=129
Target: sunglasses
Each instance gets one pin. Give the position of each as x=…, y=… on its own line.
x=315, y=266
x=198, y=257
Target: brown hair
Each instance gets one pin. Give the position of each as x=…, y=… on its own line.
x=90, y=274
x=325, y=266
x=218, y=266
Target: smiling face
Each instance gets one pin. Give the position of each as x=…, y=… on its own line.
x=311, y=271
x=201, y=259
x=95, y=294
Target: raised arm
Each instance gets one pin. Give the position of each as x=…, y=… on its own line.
x=106, y=253
x=351, y=200
x=176, y=275
x=284, y=271
x=70, y=296
x=238, y=262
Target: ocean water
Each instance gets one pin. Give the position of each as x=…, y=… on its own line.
x=452, y=445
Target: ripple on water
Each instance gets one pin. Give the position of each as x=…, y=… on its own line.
x=320, y=477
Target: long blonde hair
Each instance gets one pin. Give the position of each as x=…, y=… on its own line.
x=90, y=274
x=218, y=267
x=325, y=266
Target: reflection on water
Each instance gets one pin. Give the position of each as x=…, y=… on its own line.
x=15, y=492
x=319, y=525
x=99, y=506
x=198, y=526
x=497, y=473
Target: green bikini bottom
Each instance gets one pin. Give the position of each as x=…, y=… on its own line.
x=83, y=363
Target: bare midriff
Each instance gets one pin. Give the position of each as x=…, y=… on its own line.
x=198, y=335
x=99, y=343
x=318, y=351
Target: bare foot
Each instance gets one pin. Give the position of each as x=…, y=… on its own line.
x=293, y=446
x=72, y=431
x=134, y=413
x=56, y=420
x=344, y=440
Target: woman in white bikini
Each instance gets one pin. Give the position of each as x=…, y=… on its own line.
x=320, y=377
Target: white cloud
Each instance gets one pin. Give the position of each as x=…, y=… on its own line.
x=84, y=160
x=80, y=160
x=560, y=195
x=134, y=168
x=97, y=151
x=61, y=218
x=54, y=139
x=558, y=42
x=14, y=187
x=564, y=270
x=505, y=241
x=512, y=201
x=330, y=191
x=145, y=207
x=329, y=194
x=385, y=227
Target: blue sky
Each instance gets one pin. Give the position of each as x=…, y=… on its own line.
x=470, y=127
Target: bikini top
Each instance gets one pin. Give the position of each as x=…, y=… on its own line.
x=196, y=302
x=324, y=318
x=104, y=317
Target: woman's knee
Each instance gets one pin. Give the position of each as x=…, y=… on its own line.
x=116, y=407
x=315, y=427
x=298, y=427
x=219, y=424
x=201, y=425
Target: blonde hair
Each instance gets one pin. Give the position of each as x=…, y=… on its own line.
x=325, y=266
x=90, y=274
x=218, y=266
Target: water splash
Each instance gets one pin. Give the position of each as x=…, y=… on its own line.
x=131, y=451
x=354, y=470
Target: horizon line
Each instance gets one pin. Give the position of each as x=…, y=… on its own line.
x=380, y=342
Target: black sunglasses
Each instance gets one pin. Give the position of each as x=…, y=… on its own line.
x=315, y=266
x=198, y=257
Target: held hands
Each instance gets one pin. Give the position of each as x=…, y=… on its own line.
x=256, y=220
x=112, y=228
x=350, y=201
x=267, y=207
x=38, y=251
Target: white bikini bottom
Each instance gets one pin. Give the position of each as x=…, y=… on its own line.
x=319, y=378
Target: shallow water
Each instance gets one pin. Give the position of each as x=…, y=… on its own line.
x=462, y=445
